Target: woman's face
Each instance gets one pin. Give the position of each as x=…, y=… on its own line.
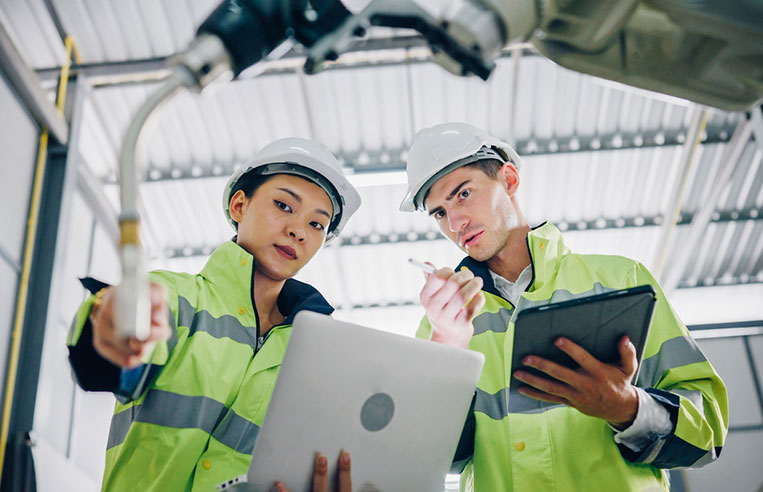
x=283, y=224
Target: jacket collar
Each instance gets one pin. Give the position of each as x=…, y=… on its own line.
x=546, y=248
x=231, y=266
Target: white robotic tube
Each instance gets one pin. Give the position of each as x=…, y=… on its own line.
x=132, y=308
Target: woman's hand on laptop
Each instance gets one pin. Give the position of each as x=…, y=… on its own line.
x=320, y=475
x=451, y=300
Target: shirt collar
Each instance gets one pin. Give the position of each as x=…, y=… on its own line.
x=512, y=290
x=546, y=248
x=231, y=266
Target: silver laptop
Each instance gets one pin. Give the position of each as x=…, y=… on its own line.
x=396, y=404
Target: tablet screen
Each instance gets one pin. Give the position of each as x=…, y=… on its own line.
x=595, y=322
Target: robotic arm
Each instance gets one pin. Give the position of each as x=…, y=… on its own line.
x=709, y=52
x=705, y=51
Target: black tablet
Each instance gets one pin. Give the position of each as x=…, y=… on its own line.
x=595, y=322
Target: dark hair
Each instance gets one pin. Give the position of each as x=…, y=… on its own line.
x=488, y=166
x=249, y=182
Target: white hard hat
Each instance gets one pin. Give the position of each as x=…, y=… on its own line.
x=309, y=160
x=437, y=150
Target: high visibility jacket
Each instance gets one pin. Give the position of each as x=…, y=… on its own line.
x=520, y=443
x=187, y=419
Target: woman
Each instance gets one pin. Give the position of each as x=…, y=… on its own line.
x=192, y=396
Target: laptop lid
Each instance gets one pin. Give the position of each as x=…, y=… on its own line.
x=396, y=404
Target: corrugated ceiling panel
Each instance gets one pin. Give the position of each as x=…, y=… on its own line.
x=752, y=191
x=393, y=98
x=589, y=102
x=721, y=244
x=94, y=146
x=191, y=124
x=176, y=130
x=707, y=164
x=500, y=99
x=155, y=17
x=656, y=191
x=440, y=96
x=33, y=32
x=346, y=104
x=217, y=127
x=366, y=112
x=138, y=40
x=603, y=184
x=636, y=243
x=732, y=252
x=105, y=30
x=565, y=102
x=243, y=141
x=77, y=21
x=741, y=191
x=114, y=40
x=609, y=111
x=285, y=106
x=323, y=109
x=112, y=112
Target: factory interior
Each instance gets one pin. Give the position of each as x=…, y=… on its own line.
x=667, y=171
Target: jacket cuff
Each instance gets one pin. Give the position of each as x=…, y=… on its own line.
x=647, y=454
x=91, y=371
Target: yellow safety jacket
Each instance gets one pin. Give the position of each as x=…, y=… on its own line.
x=520, y=443
x=188, y=418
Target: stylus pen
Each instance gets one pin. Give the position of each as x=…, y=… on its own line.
x=424, y=266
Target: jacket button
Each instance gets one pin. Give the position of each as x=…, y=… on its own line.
x=243, y=262
x=520, y=445
x=241, y=310
x=206, y=464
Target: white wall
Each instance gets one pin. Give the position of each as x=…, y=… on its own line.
x=739, y=466
x=73, y=423
x=18, y=141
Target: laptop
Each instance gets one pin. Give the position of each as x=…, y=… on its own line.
x=396, y=404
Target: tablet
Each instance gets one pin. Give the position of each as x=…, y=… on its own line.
x=595, y=322
x=396, y=404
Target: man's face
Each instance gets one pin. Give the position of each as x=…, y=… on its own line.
x=283, y=224
x=473, y=210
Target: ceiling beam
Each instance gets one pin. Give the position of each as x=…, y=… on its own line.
x=696, y=127
x=733, y=165
x=372, y=52
x=433, y=235
x=28, y=87
x=392, y=159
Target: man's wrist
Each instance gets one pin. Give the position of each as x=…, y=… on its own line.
x=631, y=404
x=456, y=342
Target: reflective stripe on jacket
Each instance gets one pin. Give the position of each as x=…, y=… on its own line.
x=525, y=444
x=187, y=419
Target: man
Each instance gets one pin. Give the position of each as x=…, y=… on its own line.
x=583, y=429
